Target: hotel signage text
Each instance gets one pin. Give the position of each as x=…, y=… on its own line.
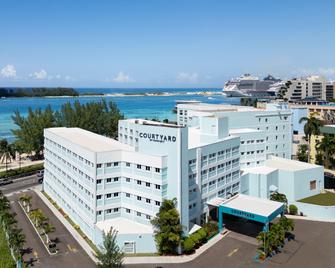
x=158, y=137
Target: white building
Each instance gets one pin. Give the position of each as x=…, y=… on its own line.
x=100, y=182
x=263, y=132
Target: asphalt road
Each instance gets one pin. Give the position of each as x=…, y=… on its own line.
x=20, y=184
x=70, y=252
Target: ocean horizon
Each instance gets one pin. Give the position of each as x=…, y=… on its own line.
x=158, y=106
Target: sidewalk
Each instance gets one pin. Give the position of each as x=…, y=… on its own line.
x=306, y=218
x=15, y=164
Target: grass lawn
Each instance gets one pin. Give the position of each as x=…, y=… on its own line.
x=6, y=260
x=326, y=199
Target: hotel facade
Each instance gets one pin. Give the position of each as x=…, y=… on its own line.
x=102, y=183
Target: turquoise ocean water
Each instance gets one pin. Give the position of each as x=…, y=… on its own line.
x=159, y=107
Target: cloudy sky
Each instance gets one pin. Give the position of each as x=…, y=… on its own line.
x=156, y=43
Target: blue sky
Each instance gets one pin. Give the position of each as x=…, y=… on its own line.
x=162, y=43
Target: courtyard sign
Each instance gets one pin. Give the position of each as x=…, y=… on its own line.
x=158, y=137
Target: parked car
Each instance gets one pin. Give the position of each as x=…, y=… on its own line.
x=40, y=173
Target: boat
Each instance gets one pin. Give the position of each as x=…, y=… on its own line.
x=249, y=86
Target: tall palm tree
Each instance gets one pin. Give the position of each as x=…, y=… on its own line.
x=327, y=149
x=16, y=241
x=312, y=127
x=37, y=216
x=4, y=204
x=6, y=153
x=8, y=220
x=26, y=201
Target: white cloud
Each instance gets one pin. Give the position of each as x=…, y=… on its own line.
x=328, y=72
x=187, y=77
x=122, y=78
x=8, y=71
x=42, y=74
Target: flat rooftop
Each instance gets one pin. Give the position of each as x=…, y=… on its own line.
x=260, y=170
x=89, y=140
x=288, y=164
x=124, y=226
x=152, y=123
x=206, y=107
x=243, y=130
x=251, y=204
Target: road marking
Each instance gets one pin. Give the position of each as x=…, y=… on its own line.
x=36, y=256
x=72, y=249
x=232, y=252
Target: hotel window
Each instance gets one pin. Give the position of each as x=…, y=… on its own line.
x=138, y=214
x=108, y=164
x=127, y=179
x=148, y=217
x=157, y=170
x=139, y=182
x=157, y=203
x=108, y=195
x=116, y=194
x=139, y=198
x=99, y=165
x=109, y=180
x=158, y=187
x=312, y=185
x=127, y=164
x=98, y=196
x=116, y=209
x=99, y=212
x=148, y=201
x=116, y=164
x=127, y=194
x=108, y=211
x=116, y=179
x=128, y=210
x=98, y=181
x=147, y=168
x=147, y=184
x=139, y=166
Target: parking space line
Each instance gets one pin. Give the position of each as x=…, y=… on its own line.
x=232, y=252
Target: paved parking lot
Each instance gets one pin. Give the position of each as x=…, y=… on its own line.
x=70, y=253
x=314, y=247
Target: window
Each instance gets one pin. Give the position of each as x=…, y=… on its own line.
x=98, y=181
x=138, y=214
x=127, y=164
x=127, y=179
x=158, y=187
x=128, y=210
x=312, y=185
x=139, y=166
x=148, y=217
x=108, y=195
x=147, y=168
x=139, y=182
x=98, y=196
x=108, y=164
x=147, y=184
x=109, y=180
x=116, y=164
x=116, y=179
x=148, y=201
x=108, y=211
x=127, y=194
x=139, y=198
x=157, y=170
x=116, y=194
x=99, y=212
x=99, y=165
x=157, y=203
x=116, y=209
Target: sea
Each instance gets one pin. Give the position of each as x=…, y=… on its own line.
x=133, y=103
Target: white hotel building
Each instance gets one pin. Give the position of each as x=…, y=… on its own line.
x=215, y=151
x=102, y=183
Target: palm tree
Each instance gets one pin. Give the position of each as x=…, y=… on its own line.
x=287, y=224
x=6, y=152
x=312, y=127
x=327, y=149
x=8, y=220
x=16, y=241
x=48, y=228
x=110, y=255
x=275, y=196
x=4, y=204
x=26, y=201
x=37, y=216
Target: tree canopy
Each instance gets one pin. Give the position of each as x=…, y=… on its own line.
x=98, y=117
x=168, y=230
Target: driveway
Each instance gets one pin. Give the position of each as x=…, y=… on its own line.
x=70, y=252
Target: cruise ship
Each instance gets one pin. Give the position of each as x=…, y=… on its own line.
x=249, y=86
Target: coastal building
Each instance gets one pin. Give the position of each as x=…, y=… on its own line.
x=301, y=88
x=263, y=132
x=101, y=183
x=330, y=91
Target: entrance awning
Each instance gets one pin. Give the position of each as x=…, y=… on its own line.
x=251, y=208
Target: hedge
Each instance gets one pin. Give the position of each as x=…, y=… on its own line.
x=293, y=209
x=21, y=171
x=195, y=240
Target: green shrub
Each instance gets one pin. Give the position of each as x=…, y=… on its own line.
x=188, y=245
x=202, y=234
x=19, y=171
x=293, y=209
x=211, y=229
x=196, y=239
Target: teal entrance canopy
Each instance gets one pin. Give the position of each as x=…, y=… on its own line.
x=251, y=208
